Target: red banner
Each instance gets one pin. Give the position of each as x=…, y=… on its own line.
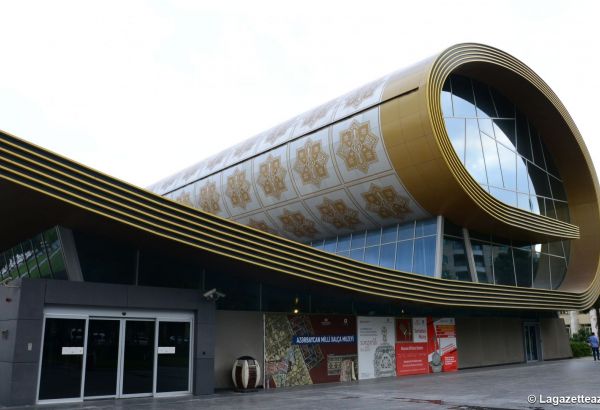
x=431, y=347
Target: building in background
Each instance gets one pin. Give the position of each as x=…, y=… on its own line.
x=433, y=220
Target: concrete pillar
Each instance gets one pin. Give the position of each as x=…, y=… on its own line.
x=594, y=320
x=574, y=322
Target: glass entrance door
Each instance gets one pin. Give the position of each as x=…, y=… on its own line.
x=173, y=355
x=102, y=358
x=62, y=359
x=138, y=357
x=99, y=354
x=532, y=341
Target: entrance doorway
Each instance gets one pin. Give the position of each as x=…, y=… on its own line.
x=103, y=355
x=531, y=332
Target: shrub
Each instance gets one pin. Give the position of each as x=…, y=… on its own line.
x=580, y=349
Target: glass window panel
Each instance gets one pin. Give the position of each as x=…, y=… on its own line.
x=447, y=104
x=4, y=268
x=537, y=204
x=550, y=208
x=462, y=98
x=550, y=167
x=482, y=255
x=555, y=248
x=540, y=181
x=504, y=270
x=12, y=263
x=508, y=162
x=20, y=262
x=523, y=142
x=558, y=192
x=508, y=197
x=523, y=266
x=345, y=254
x=424, y=256
x=372, y=255
x=474, y=155
x=426, y=227
x=504, y=131
x=406, y=231
x=55, y=254
x=523, y=181
x=373, y=237
x=343, y=243
x=389, y=234
x=566, y=249
x=456, y=131
x=541, y=270
x=358, y=240
x=330, y=244
x=404, y=256
x=317, y=244
x=504, y=107
x=29, y=255
x=492, y=164
x=387, y=254
x=486, y=126
x=524, y=202
x=455, y=265
x=483, y=100
x=558, y=269
x=357, y=254
x=536, y=144
x=562, y=210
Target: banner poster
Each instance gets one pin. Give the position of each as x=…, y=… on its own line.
x=376, y=355
x=309, y=349
x=425, y=345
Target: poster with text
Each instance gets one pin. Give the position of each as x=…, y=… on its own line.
x=425, y=345
x=376, y=355
x=309, y=349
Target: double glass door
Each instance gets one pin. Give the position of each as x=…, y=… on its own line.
x=98, y=357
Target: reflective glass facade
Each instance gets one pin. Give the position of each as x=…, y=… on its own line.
x=38, y=257
x=465, y=255
x=408, y=247
x=501, y=148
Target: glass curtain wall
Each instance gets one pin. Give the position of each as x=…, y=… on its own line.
x=38, y=257
x=501, y=148
x=408, y=247
x=411, y=247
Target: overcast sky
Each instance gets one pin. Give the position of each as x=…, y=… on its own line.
x=142, y=89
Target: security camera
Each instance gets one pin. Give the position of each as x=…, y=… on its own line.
x=213, y=295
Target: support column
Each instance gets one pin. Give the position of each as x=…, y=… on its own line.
x=574, y=322
x=594, y=320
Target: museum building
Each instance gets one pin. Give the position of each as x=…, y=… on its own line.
x=435, y=219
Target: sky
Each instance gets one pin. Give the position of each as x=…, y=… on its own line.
x=142, y=89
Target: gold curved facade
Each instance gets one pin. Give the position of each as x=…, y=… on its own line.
x=403, y=111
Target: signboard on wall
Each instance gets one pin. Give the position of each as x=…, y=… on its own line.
x=376, y=355
x=309, y=349
x=431, y=349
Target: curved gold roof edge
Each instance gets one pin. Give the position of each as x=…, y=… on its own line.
x=446, y=294
x=461, y=55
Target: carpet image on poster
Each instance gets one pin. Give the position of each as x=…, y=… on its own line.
x=308, y=349
x=376, y=353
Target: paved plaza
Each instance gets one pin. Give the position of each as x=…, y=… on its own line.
x=504, y=387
